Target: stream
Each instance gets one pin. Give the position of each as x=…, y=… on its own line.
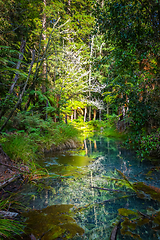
x=69, y=204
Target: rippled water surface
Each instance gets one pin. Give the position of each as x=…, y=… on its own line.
x=70, y=204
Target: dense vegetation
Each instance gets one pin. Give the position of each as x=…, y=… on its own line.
x=131, y=34
x=95, y=60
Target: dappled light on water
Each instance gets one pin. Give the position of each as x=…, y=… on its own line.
x=92, y=190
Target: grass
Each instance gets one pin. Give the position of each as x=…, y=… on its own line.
x=9, y=227
x=27, y=140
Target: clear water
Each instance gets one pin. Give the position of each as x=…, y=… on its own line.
x=68, y=205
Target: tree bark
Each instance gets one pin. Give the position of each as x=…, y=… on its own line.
x=90, y=74
x=72, y=116
x=95, y=112
x=100, y=117
x=66, y=118
x=74, y=113
x=85, y=114
x=22, y=50
x=89, y=113
x=115, y=231
x=44, y=39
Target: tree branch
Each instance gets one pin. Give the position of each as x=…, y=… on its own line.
x=21, y=95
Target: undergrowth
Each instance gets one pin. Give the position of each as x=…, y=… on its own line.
x=144, y=144
x=106, y=128
x=9, y=227
x=27, y=137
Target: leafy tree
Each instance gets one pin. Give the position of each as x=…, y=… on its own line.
x=59, y=32
x=132, y=29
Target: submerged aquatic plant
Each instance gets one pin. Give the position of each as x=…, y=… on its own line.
x=52, y=222
x=131, y=221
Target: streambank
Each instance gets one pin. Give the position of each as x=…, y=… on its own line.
x=13, y=175
x=69, y=144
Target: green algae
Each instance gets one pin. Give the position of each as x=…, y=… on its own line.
x=52, y=222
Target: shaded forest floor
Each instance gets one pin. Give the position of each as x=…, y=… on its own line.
x=9, y=170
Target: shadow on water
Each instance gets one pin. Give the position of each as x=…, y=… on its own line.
x=73, y=202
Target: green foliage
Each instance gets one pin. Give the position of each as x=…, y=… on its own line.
x=149, y=145
x=9, y=227
x=89, y=127
x=62, y=44
x=20, y=148
x=106, y=128
x=97, y=125
x=111, y=120
x=112, y=132
x=144, y=144
x=32, y=135
x=132, y=56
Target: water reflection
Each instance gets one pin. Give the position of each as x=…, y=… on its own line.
x=77, y=172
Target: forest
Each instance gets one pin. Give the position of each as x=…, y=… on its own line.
x=68, y=65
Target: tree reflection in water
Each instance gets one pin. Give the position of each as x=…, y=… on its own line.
x=74, y=173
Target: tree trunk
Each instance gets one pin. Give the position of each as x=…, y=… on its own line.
x=100, y=117
x=22, y=50
x=74, y=113
x=39, y=64
x=66, y=118
x=90, y=74
x=95, y=112
x=44, y=89
x=89, y=113
x=58, y=106
x=85, y=146
x=72, y=116
x=107, y=109
x=44, y=39
x=85, y=114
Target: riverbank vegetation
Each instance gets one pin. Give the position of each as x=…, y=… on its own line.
x=32, y=136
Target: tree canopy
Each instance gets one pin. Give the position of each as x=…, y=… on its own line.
x=103, y=54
